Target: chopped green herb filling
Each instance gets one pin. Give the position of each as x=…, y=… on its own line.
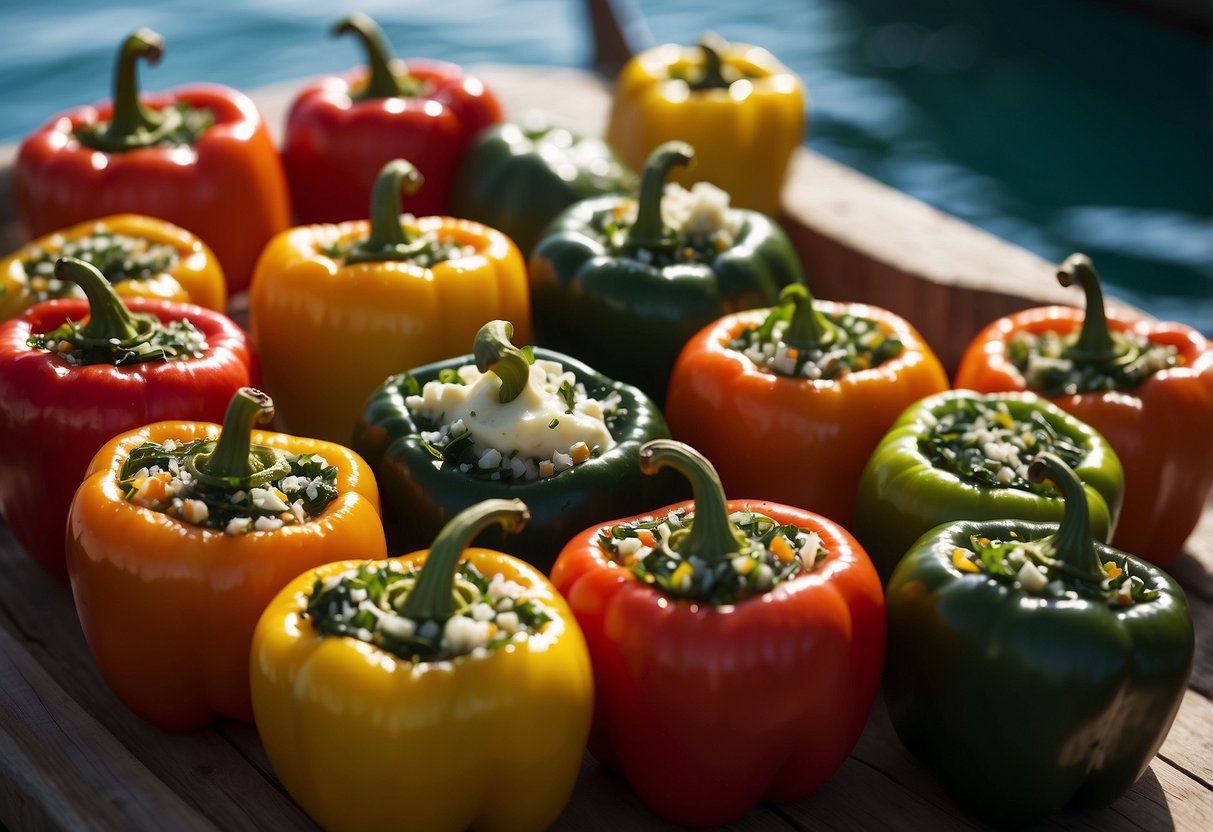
x=1047, y=368
x=117, y=256
x=172, y=341
x=863, y=345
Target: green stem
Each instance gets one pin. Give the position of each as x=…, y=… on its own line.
x=108, y=317
x=383, y=82
x=496, y=354
x=1073, y=543
x=432, y=597
x=808, y=327
x=387, y=240
x=132, y=125
x=1095, y=344
x=712, y=536
x=233, y=461
x=713, y=68
x=649, y=231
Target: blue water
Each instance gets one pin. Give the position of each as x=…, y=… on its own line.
x=1059, y=125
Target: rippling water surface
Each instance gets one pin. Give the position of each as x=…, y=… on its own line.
x=1061, y=126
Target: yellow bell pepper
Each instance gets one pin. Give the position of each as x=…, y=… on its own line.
x=335, y=310
x=142, y=256
x=168, y=605
x=367, y=736
x=741, y=109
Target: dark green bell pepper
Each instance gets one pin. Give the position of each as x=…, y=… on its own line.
x=626, y=294
x=905, y=491
x=421, y=493
x=1027, y=698
x=518, y=177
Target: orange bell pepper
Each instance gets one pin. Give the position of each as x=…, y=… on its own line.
x=334, y=308
x=795, y=440
x=1162, y=428
x=169, y=607
x=189, y=274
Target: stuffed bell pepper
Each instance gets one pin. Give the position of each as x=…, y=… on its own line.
x=199, y=157
x=516, y=177
x=790, y=402
x=446, y=690
x=141, y=256
x=507, y=422
x=1030, y=665
x=742, y=109
x=181, y=534
x=624, y=283
x=335, y=309
x=961, y=455
x=736, y=646
x=73, y=373
x=1145, y=385
x=341, y=130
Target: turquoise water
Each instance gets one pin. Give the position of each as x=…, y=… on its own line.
x=1061, y=126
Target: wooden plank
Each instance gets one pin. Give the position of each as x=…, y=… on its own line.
x=204, y=768
x=60, y=769
x=1189, y=746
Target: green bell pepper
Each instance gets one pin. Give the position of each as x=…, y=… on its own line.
x=518, y=177
x=1032, y=667
x=613, y=282
x=943, y=460
x=425, y=480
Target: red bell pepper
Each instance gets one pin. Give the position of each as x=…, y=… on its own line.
x=63, y=394
x=198, y=156
x=711, y=701
x=342, y=130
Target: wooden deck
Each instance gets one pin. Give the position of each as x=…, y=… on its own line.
x=71, y=756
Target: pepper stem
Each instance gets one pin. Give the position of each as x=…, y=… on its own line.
x=233, y=461
x=649, y=231
x=387, y=240
x=712, y=536
x=496, y=354
x=132, y=125
x=108, y=317
x=1095, y=344
x=1073, y=544
x=808, y=327
x=383, y=82
x=432, y=597
x=712, y=77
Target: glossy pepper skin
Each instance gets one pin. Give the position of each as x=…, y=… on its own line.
x=731, y=101
x=795, y=440
x=420, y=496
x=1159, y=429
x=516, y=177
x=168, y=608
x=343, y=324
x=195, y=278
x=55, y=416
x=902, y=495
x=490, y=742
x=708, y=710
x=614, y=307
x=227, y=187
x=1024, y=705
x=342, y=129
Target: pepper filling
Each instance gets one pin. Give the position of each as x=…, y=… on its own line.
x=117, y=256
x=155, y=476
x=772, y=553
x=862, y=345
x=700, y=224
x=194, y=122
x=366, y=603
x=981, y=441
x=171, y=341
x=1047, y=370
x=1029, y=565
x=426, y=249
x=551, y=426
